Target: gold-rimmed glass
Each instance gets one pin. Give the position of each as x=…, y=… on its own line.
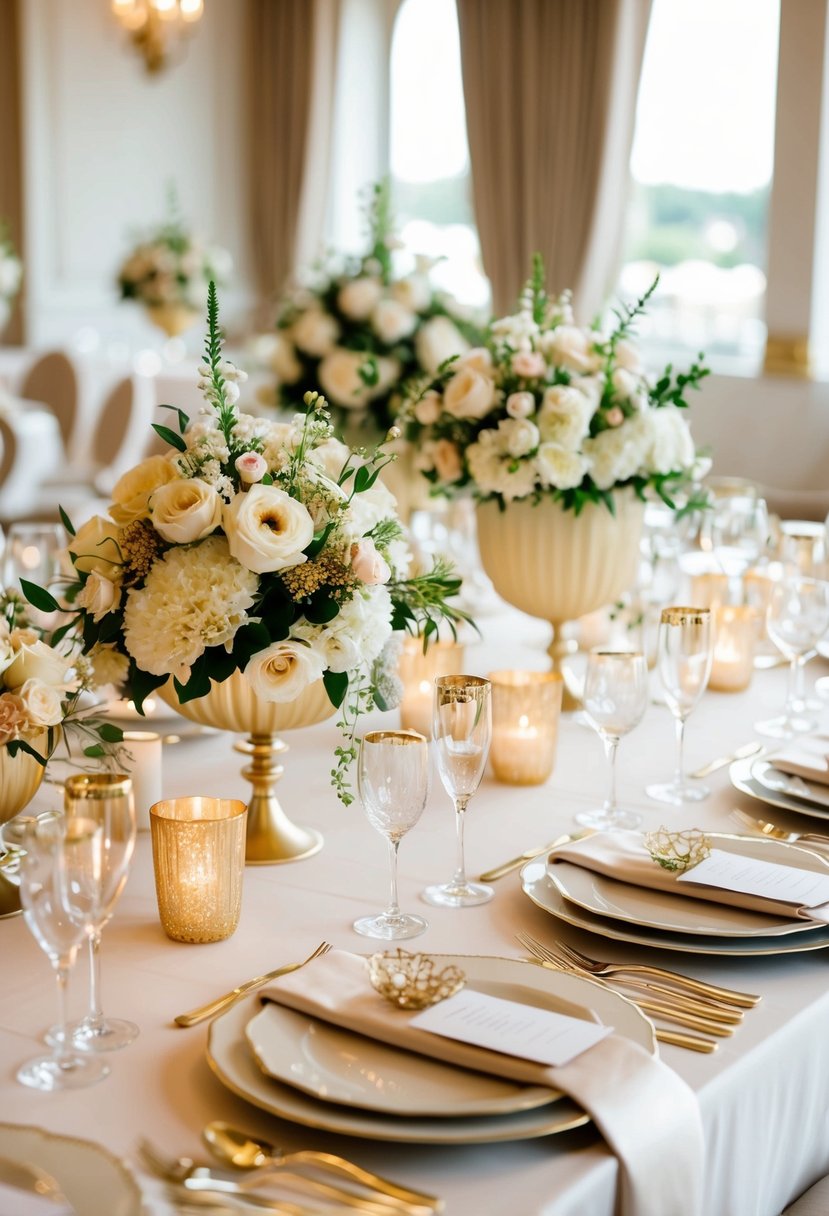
x=393, y=781
x=685, y=653
x=462, y=730
x=615, y=699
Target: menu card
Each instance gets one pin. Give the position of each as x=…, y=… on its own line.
x=768, y=879
x=511, y=1028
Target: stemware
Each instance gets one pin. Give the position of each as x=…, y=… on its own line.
x=685, y=653
x=105, y=799
x=462, y=730
x=615, y=700
x=739, y=532
x=32, y=552
x=60, y=872
x=796, y=620
x=393, y=781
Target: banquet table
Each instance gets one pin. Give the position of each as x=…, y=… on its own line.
x=763, y=1094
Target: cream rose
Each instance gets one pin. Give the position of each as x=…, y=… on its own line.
x=478, y=358
x=520, y=405
x=99, y=595
x=469, y=394
x=283, y=670
x=315, y=332
x=572, y=348
x=438, y=339
x=358, y=298
x=392, y=321
x=37, y=661
x=284, y=362
x=42, y=703
x=428, y=408
x=529, y=364
x=97, y=548
x=519, y=436
x=559, y=468
x=340, y=380
x=131, y=493
x=446, y=459
x=185, y=511
x=369, y=566
x=267, y=530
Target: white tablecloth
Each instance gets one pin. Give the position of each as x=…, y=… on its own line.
x=763, y=1094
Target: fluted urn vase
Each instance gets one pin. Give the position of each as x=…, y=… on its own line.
x=20, y=778
x=233, y=705
x=173, y=319
x=557, y=565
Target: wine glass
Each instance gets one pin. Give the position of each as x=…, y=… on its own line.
x=107, y=800
x=615, y=700
x=739, y=532
x=33, y=552
x=684, y=656
x=802, y=550
x=60, y=872
x=462, y=730
x=797, y=618
x=393, y=780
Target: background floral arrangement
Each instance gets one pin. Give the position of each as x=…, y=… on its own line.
x=551, y=408
x=11, y=273
x=357, y=332
x=169, y=266
x=259, y=546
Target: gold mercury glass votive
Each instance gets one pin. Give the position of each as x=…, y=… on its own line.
x=526, y=706
x=199, y=859
x=735, y=634
x=418, y=672
x=709, y=589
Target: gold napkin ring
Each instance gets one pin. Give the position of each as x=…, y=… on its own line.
x=678, y=851
x=413, y=981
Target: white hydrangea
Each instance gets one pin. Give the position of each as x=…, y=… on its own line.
x=496, y=472
x=667, y=441
x=357, y=633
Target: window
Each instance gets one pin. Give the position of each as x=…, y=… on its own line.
x=701, y=166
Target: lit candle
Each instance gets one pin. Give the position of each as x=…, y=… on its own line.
x=525, y=710
x=734, y=637
x=143, y=763
x=418, y=672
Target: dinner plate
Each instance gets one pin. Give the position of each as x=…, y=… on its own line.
x=740, y=773
x=94, y=1181
x=537, y=885
x=230, y=1057
x=777, y=782
x=614, y=899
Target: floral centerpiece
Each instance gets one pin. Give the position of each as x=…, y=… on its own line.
x=357, y=331
x=254, y=546
x=11, y=273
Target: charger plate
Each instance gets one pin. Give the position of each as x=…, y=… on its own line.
x=743, y=779
x=230, y=1057
x=537, y=885
x=775, y=781
x=94, y=1181
x=649, y=908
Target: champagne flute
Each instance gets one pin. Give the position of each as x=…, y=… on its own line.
x=462, y=731
x=797, y=618
x=60, y=873
x=393, y=780
x=615, y=700
x=684, y=656
x=105, y=799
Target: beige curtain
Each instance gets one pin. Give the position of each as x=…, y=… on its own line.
x=11, y=166
x=541, y=81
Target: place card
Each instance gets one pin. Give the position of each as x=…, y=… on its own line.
x=767, y=879
x=511, y=1028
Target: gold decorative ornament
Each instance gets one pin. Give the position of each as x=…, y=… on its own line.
x=678, y=851
x=413, y=981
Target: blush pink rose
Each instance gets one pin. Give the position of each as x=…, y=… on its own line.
x=369, y=566
x=520, y=405
x=614, y=416
x=528, y=363
x=251, y=467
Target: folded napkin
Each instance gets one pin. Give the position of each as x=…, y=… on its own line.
x=647, y=1114
x=808, y=758
x=624, y=856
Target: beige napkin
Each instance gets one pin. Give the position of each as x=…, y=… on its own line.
x=647, y=1114
x=808, y=758
x=623, y=855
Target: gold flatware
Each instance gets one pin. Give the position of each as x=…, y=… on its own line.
x=744, y=1000
x=742, y=753
x=248, y=1152
x=702, y=1006
x=507, y=866
x=690, y=1041
x=762, y=827
x=21, y=1176
x=229, y=998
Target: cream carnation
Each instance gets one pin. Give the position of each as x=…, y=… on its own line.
x=109, y=666
x=267, y=530
x=667, y=439
x=560, y=468
x=469, y=394
x=194, y=597
x=185, y=511
x=283, y=670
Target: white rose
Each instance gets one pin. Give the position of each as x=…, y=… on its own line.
x=340, y=380
x=564, y=417
x=438, y=339
x=283, y=670
x=469, y=394
x=331, y=456
x=392, y=321
x=413, y=292
x=518, y=436
x=520, y=405
x=42, y=702
x=267, y=530
x=185, y=511
x=37, y=661
x=559, y=467
x=7, y=651
x=315, y=332
x=572, y=348
x=358, y=298
x=428, y=408
x=99, y=596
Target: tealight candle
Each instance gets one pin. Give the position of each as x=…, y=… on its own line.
x=143, y=763
x=199, y=859
x=418, y=671
x=525, y=711
x=734, y=638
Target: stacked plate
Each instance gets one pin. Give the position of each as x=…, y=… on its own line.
x=313, y=1073
x=624, y=912
x=761, y=780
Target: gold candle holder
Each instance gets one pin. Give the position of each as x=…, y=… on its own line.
x=526, y=706
x=418, y=671
x=735, y=635
x=199, y=858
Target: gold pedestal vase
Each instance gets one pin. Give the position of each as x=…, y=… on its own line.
x=20, y=778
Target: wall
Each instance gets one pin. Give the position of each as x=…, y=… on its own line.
x=102, y=140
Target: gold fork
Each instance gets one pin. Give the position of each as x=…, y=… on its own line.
x=730, y=996
x=229, y=998
x=764, y=828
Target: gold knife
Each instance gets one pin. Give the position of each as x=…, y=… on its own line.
x=742, y=753
x=507, y=866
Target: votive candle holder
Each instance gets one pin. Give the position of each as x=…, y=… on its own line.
x=418, y=672
x=199, y=860
x=526, y=706
x=735, y=635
